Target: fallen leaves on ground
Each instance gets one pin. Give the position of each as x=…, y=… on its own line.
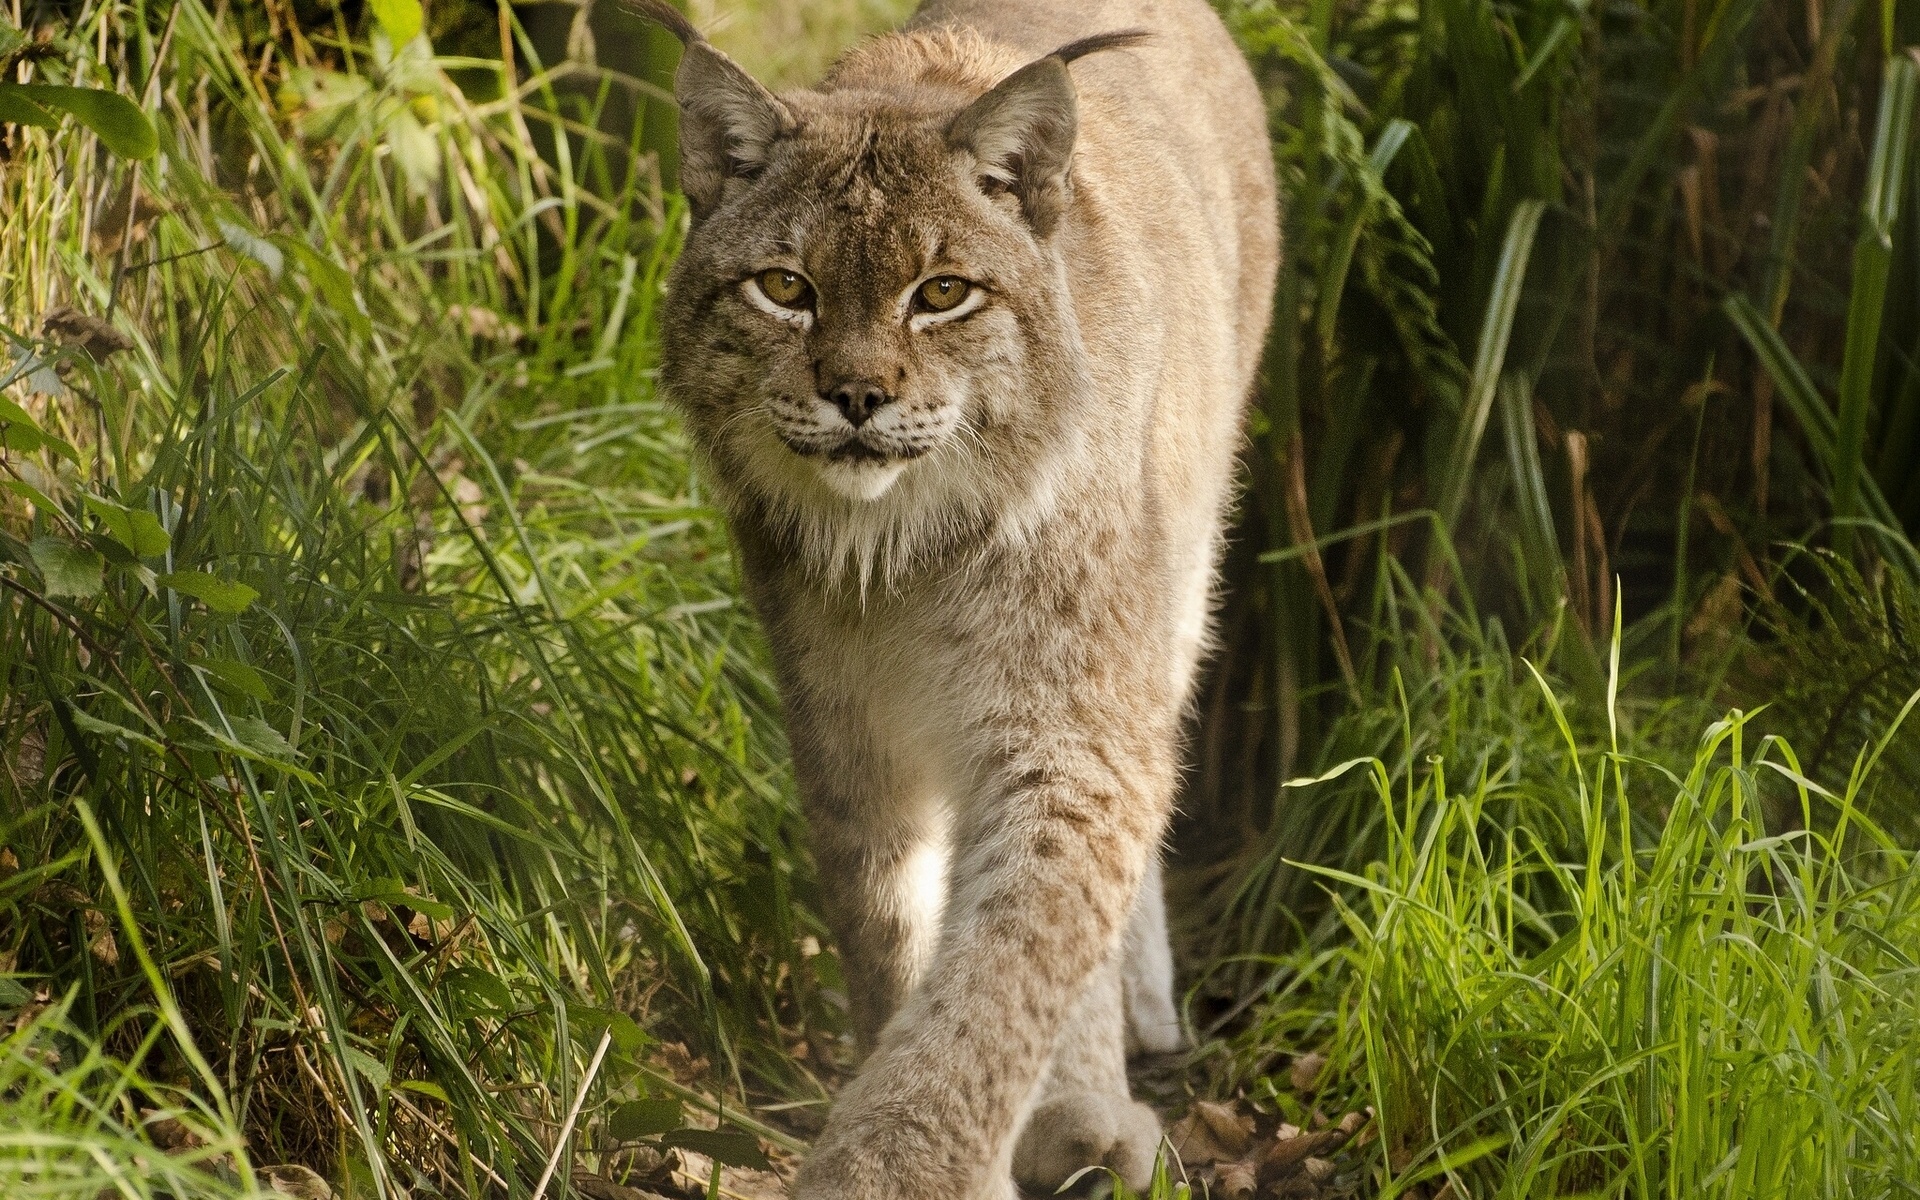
x=1224, y=1149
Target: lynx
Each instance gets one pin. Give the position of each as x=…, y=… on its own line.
x=962, y=337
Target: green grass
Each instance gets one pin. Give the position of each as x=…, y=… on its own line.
x=383, y=743
x=1610, y=953
x=481, y=763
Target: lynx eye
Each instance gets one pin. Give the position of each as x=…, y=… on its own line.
x=785, y=288
x=943, y=294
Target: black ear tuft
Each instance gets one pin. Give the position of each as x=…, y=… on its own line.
x=1118, y=39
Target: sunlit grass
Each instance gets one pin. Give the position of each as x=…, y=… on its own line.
x=379, y=627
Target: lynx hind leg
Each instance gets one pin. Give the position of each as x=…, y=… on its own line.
x=1146, y=971
x=1085, y=1116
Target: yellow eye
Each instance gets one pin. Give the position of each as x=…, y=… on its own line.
x=785, y=288
x=943, y=294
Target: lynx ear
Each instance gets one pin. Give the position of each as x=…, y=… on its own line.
x=728, y=123
x=1021, y=133
x=1021, y=136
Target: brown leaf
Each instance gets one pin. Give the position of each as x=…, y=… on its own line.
x=170, y=1133
x=100, y=941
x=1306, y=1072
x=71, y=327
x=292, y=1179
x=1211, y=1132
x=1290, y=1148
x=1236, y=1181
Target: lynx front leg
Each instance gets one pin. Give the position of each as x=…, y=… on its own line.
x=1047, y=868
x=1086, y=1116
x=879, y=841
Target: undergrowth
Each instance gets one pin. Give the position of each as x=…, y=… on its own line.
x=390, y=780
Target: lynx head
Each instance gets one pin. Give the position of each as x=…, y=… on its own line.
x=869, y=327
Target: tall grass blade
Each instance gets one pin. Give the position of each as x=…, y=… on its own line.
x=1489, y=358
x=1872, y=262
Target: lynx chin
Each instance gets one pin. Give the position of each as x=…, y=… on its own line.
x=963, y=336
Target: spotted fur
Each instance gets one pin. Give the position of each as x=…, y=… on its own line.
x=986, y=586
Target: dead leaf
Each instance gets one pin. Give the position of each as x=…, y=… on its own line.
x=1236, y=1181
x=1211, y=1132
x=292, y=1179
x=170, y=1133
x=71, y=327
x=1290, y=1148
x=100, y=940
x=1306, y=1071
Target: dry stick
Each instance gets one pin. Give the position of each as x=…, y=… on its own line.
x=448, y=1136
x=566, y=1130
x=1301, y=518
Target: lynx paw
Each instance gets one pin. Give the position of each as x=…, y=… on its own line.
x=1081, y=1129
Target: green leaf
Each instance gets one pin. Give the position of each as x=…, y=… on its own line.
x=13, y=414
x=121, y=126
x=11, y=38
x=135, y=528
x=393, y=892
x=12, y=995
x=588, y=1023
x=16, y=109
x=482, y=989
x=34, y=495
x=728, y=1146
x=220, y=595
x=402, y=19
x=69, y=570
x=263, y=738
x=238, y=676
x=23, y=438
x=107, y=729
x=424, y=1088
x=19, y=431
x=328, y=278
x=646, y=1118
x=367, y=1065
x=257, y=741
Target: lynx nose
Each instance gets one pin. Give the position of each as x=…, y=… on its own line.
x=857, y=399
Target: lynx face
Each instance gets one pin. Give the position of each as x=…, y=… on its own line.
x=867, y=309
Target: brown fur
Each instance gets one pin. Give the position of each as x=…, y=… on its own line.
x=987, y=601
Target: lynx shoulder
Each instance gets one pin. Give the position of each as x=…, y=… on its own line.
x=963, y=336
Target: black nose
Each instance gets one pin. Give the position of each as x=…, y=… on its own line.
x=857, y=399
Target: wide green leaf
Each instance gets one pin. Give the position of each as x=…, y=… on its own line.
x=68, y=570
x=239, y=676
x=16, y=109
x=730, y=1147
x=118, y=122
x=646, y=1118
x=220, y=595
x=402, y=19
x=111, y=730
x=135, y=528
